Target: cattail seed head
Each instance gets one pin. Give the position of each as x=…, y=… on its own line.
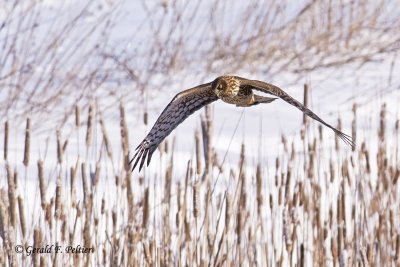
x=89, y=126
x=196, y=199
x=27, y=142
x=5, y=141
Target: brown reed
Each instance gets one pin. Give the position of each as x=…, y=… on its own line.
x=11, y=196
x=22, y=222
x=27, y=142
x=41, y=183
x=89, y=126
x=5, y=149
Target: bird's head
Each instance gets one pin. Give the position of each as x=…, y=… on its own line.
x=225, y=86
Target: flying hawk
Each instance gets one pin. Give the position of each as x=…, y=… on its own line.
x=230, y=89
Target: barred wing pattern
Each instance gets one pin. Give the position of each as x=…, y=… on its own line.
x=181, y=106
x=274, y=90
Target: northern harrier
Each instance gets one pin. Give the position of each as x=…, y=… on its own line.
x=230, y=89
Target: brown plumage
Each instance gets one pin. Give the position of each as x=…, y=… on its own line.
x=230, y=89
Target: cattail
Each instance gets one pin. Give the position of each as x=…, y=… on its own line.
x=96, y=174
x=228, y=211
x=259, y=189
x=5, y=140
x=124, y=131
x=285, y=229
x=3, y=223
x=284, y=142
x=86, y=227
x=64, y=229
x=57, y=209
x=168, y=183
x=84, y=184
x=198, y=157
x=48, y=214
x=103, y=205
x=382, y=124
x=334, y=250
x=15, y=179
x=146, y=208
x=145, y=117
x=196, y=199
x=22, y=216
x=320, y=131
x=11, y=195
x=59, y=148
x=354, y=126
x=37, y=241
x=89, y=126
x=73, y=171
x=105, y=138
x=287, y=185
x=77, y=116
x=27, y=142
x=41, y=183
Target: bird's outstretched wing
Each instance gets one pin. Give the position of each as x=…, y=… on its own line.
x=181, y=106
x=274, y=90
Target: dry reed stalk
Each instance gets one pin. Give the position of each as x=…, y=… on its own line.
x=354, y=126
x=37, y=241
x=259, y=189
x=84, y=184
x=22, y=216
x=168, y=183
x=89, y=126
x=64, y=229
x=287, y=185
x=5, y=150
x=106, y=139
x=124, y=133
x=3, y=224
x=27, y=142
x=145, y=117
x=185, y=205
x=206, y=130
x=11, y=195
x=286, y=231
x=59, y=147
x=41, y=184
x=48, y=213
x=57, y=207
x=73, y=171
x=284, y=143
x=146, y=208
x=196, y=199
x=382, y=124
x=96, y=174
x=77, y=116
x=87, y=239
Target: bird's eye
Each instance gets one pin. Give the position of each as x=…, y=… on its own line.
x=220, y=86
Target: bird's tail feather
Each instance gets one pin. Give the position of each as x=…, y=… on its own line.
x=263, y=99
